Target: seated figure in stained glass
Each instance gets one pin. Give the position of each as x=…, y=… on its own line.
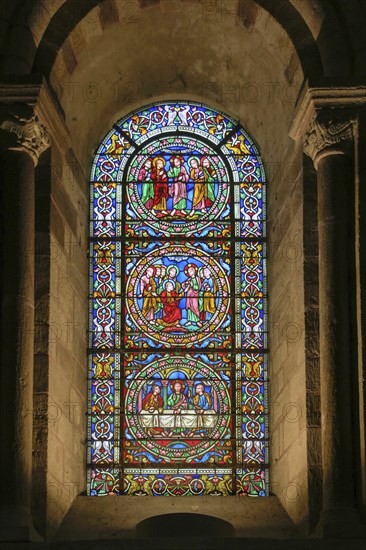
x=172, y=314
x=202, y=401
x=177, y=401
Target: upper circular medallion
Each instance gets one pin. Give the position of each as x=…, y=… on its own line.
x=177, y=186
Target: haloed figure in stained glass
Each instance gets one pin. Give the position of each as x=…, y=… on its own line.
x=192, y=287
x=178, y=189
x=147, y=191
x=148, y=293
x=161, y=189
x=207, y=294
x=172, y=273
x=209, y=174
x=172, y=314
x=202, y=401
x=177, y=401
x=153, y=401
x=200, y=187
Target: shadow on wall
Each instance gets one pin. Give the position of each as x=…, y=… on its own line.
x=189, y=525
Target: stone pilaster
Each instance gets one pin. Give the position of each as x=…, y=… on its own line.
x=23, y=138
x=328, y=126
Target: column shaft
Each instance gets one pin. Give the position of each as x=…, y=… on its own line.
x=337, y=287
x=17, y=341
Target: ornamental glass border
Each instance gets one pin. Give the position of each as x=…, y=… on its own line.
x=177, y=344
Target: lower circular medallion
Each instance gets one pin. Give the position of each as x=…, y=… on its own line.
x=178, y=409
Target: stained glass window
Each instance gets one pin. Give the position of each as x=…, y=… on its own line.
x=177, y=319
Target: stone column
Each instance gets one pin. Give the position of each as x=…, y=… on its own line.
x=330, y=145
x=22, y=140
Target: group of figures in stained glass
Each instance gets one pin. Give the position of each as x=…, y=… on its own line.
x=164, y=189
x=177, y=293
x=179, y=401
x=178, y=296
x=162, y=293
x=177, y=185
x=177, y=371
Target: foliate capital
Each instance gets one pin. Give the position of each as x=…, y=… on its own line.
x=330, y=132
x=23, y=130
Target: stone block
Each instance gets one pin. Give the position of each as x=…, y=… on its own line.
x=40, y=410
x=57, y=225
x=312, y=343
x=108, y=14
x=78, y=408
x=59, y=422
x=59, y=384
x=41, y=372
x=56, y=450
x=277, y=451
x=40, y=450
x=77, y=275
x=77, y=41
x=77, y=174
x=291, y=431
x=42, y=276
x=65, y=205
x=312, y=319
x=40, y=332
x=91, y=28
x=312, y=373
x=313, y=409
x=69, y=56
x=296, y=461
x=314, y=449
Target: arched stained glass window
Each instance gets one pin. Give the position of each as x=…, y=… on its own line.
x=178, y=336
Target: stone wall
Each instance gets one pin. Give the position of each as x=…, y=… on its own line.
x=61, y=386
x=287, y=338
x=236, y=69
x=230, y=64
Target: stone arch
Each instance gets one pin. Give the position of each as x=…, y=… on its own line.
x=47, y=28
x=87, y=124
x=186, y=524
x=62, y=24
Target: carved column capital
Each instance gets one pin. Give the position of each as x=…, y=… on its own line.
x=330, y=132
x=23, y=130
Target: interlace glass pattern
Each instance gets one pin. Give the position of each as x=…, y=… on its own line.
x=177, y=320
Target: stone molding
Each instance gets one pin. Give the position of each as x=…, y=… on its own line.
x=330, y=132
x=31, y=109
x=325, y=118
x=26, y=130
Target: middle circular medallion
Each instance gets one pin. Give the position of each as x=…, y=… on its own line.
x=178, y=295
